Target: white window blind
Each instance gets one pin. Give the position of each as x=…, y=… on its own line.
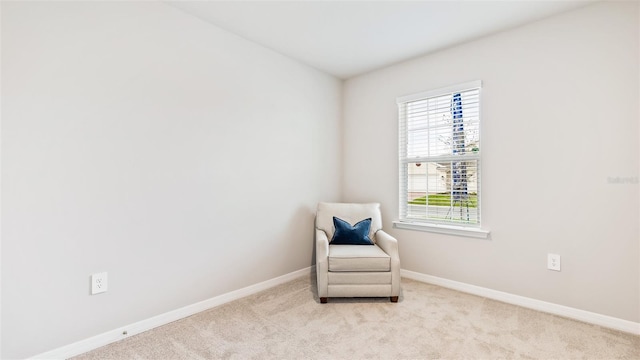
x=440, y=156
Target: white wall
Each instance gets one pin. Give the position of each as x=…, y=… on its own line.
x=560, y=109
x=138, y=140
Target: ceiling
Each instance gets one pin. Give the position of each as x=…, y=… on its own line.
x=348, y=38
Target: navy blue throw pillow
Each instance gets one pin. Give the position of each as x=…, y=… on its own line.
x=346, y=234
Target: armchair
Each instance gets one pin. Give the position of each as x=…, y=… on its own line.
x=355, y=270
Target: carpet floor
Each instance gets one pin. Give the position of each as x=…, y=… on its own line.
x=428, y=322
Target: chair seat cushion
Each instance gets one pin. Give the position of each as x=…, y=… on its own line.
x=358, y=258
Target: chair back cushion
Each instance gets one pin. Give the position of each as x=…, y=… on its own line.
x=352, y=213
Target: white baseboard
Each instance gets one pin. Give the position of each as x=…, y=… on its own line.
x=109, y=337
x=560, y=310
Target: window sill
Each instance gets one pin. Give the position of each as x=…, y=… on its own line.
x=443, y=229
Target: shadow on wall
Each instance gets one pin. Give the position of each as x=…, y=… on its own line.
x=300, y=234
x=313, y=243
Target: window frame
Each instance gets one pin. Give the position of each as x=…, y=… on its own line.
x=435, y=225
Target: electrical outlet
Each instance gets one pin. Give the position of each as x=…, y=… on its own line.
x=98, y=283
x=553, y=262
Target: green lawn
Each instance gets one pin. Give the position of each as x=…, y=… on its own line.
x=444, y=199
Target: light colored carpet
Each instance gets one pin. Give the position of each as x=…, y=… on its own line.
x=429, y=322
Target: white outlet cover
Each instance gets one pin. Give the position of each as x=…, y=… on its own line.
x=553, y=262
x=98, y=283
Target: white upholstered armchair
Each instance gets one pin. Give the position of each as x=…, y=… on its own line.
x=347, y=270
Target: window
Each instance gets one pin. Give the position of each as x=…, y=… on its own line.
x=440, y=156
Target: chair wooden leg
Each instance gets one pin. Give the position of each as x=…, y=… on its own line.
x=323, y=300
x=394, y=299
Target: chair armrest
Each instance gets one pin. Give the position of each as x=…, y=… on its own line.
x=322, y=263
x=322, y=246
x=388, y=243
